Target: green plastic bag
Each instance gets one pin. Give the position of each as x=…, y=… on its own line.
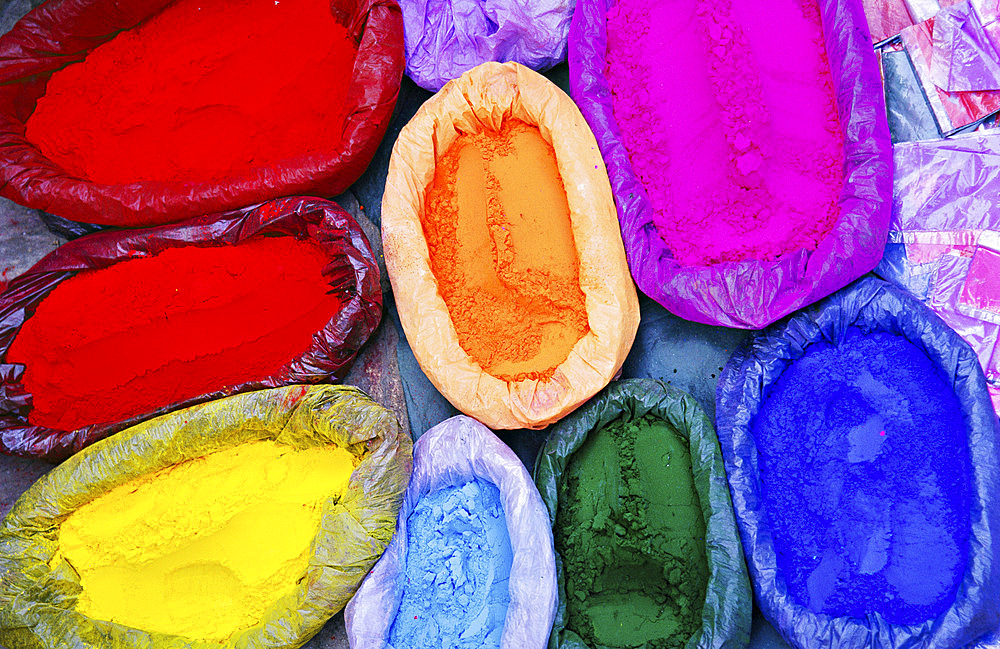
x=728, y=602
x=37, y=602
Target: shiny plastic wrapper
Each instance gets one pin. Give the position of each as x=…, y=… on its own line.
x=872, y=305
x=944, y=238
x=38, y=601
x=751, y=294
x=966, y=55
x=352, y=273
x=886, y=18
x=445, y=38
x=484, y=98
x=910, y=115
x=953, y=110
x=62, y=32
x=452, y=453
x=728, y=601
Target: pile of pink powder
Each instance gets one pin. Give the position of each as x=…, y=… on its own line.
x=729, y=117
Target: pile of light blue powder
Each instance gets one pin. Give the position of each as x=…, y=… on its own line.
x=455, y=594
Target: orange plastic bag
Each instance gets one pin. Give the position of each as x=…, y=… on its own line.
x=488, y=99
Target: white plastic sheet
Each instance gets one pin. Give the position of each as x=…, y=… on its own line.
x=944, y=239
x=452, y=453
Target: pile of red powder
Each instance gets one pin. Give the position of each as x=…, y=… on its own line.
x=729, y=116
x=115, y=343
x=206, y=89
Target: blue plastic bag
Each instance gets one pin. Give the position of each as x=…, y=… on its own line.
x=747, y=383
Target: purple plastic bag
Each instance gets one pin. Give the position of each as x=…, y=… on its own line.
x=944, y=239
x=445, y=38
x=966, y=55
x=751, y=294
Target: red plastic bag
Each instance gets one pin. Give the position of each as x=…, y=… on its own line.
x=62, y=32
x=352, y=274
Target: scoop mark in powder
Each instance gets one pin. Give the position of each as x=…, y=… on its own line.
x=864, y=462
x=202, y=548
x=631, y=535
x=498, y=228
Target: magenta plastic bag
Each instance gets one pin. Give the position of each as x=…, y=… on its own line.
x=445, y=38
x=944, y=238
x=452, y=453
x=752, y=294
x=953, y=110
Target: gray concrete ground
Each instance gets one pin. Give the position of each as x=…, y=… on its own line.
x=24, y=239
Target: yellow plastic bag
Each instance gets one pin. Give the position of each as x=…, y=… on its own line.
x=39, y=595
x=484, y=98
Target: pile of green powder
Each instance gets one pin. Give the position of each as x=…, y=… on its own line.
x=632, y=538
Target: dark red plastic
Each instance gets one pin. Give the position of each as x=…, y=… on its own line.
x=352, y=274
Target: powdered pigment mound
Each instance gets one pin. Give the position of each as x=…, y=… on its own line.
x=115, y=343
x=864, y=464
x=735, y=139
x=631, y=535
x=202, y=548
x=206, y=89
x=498, y=228
x=455, y=585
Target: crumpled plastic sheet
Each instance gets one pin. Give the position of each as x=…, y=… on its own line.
x=952, y=110
x=62, y=32
x=37, y=601
x=751, y=294
x=873, y=305
x=445, y=38
x=728, y=605
x=452, y=453
x=944, y=239
x=966, y=55
x=886, y=18
x=352, y=272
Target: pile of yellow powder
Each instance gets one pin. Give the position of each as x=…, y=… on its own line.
x=202, y=548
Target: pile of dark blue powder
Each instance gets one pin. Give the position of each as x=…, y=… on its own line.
x=455, y=591
x=864, y=463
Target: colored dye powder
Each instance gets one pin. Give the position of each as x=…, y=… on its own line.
x=864, y=464
x=110, y=344
x=498, y=228
x=729, y=116
x=201, y=549
x=205, y=89
x=456, y=591
x=631, y=535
